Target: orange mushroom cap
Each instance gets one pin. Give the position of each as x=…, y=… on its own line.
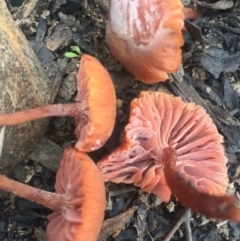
x=79, y=179
x=97, y=93
x=158, y=120
x=145, y=36
x=94, y=112
x=78, y=204
x=212, y=206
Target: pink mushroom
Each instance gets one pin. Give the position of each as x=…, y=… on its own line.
x=145, y=36
x=158, y=120
x=81, y=183
x=78, y=204
x=94, y=111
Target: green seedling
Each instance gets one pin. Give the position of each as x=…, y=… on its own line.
x=75, y=54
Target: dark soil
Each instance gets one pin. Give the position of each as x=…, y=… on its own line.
x=211, y=57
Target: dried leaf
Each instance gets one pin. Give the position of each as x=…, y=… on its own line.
x=140, y=222
x=237, y=173
x=194, y=31
x=216, y=60
x=230, y=95
x=114, y=226
x=223, y=4
x=223, y=116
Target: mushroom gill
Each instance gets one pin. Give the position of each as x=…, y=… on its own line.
x=158, y=120
x=78, y=204
x=80, y=218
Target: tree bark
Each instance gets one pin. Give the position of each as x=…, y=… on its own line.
x=23, y=85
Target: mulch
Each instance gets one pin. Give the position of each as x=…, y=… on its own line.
x=209, y=76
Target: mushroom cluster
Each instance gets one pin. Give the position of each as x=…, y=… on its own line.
x=79, y=202
x=169, y=146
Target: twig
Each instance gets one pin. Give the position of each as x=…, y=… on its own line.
x=188, y=230
x=185, y=217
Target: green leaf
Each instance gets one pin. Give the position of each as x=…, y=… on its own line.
x=76, y=49
x=71, y=55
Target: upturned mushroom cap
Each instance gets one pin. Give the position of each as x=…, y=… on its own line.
x=145, y=37
x=97, y=95
x=80, y=181
x=158, y=120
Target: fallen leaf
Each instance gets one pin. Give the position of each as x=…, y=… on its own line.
x=113, y=226
x=223, y=4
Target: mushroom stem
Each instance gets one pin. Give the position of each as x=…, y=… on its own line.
x=72, y=109
x=54, y=201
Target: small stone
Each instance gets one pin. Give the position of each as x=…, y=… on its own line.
x=120, y=113
x=29, y=173
x=38, y=168
x=109, y=205
x=119, y=103
x=59, y=122
x=47, y=154
x=45, y=14
x=170, y=207
x=157, y=201
x=68, y=86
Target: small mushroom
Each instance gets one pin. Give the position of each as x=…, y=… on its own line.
x=94, y=111
x=145, y=37
x=213, y=206
x=158, y=120
x=78, y=204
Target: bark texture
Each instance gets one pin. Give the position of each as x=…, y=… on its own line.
x=23, y=85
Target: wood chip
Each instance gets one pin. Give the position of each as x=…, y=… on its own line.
x=114, y=226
